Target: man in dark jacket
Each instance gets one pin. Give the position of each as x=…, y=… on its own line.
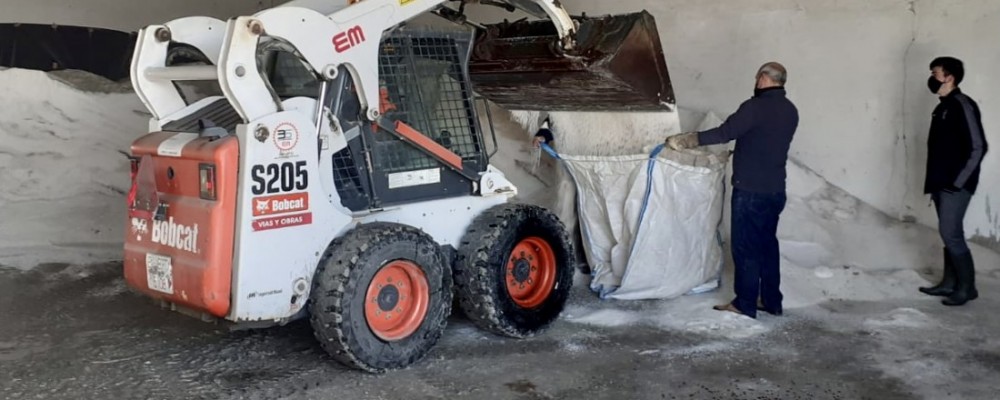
x=763, y=127
x=955, y=148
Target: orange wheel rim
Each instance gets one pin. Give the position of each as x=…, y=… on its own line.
x=396, y=300
x=531, y=272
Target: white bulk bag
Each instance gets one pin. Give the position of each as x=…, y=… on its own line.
x=650, y=223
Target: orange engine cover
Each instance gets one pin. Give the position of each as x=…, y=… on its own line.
x=181, y=250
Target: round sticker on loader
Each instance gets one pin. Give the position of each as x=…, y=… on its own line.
x=286, y=136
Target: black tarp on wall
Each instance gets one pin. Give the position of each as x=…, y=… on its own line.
x=103, y=52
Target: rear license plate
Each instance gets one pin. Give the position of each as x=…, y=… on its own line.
x=159, y=273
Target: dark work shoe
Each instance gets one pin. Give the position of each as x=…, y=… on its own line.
x=947, y=284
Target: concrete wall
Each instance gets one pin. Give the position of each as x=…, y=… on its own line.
x=857, y=73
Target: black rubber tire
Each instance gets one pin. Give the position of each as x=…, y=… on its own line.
x=481, y=267
x=338, y=295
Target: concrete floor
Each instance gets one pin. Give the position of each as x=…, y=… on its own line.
x=78, y=333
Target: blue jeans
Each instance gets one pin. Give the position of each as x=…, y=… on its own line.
x=951, y=209
x=755, y=250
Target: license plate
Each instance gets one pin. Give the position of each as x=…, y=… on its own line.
x=159, y=273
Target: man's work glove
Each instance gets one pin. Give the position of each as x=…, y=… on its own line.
x=681, y=141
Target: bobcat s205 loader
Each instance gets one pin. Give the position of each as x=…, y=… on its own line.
x=320, y=160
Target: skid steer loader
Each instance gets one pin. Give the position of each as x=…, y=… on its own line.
x=325, y=161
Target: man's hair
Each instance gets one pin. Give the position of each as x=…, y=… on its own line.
x=775, y=71
x=951, y=66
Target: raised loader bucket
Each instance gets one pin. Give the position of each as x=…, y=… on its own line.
x=617, y=65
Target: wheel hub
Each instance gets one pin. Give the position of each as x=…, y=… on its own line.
x=397, y=300
x=388, y=297
x=531, y=272
x=522, y=270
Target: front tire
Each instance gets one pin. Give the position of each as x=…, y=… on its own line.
x=514, y=270
x=381, y=297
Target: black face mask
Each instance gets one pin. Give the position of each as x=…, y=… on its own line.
x=933, y=84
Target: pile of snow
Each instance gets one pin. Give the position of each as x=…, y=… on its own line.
x=62, y=190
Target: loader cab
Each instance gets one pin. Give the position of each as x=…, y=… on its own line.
x=424, y=84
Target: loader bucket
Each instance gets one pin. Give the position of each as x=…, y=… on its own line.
x=616, y=65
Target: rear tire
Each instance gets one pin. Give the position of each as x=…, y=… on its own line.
x=514, y=270
x=381, y=297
